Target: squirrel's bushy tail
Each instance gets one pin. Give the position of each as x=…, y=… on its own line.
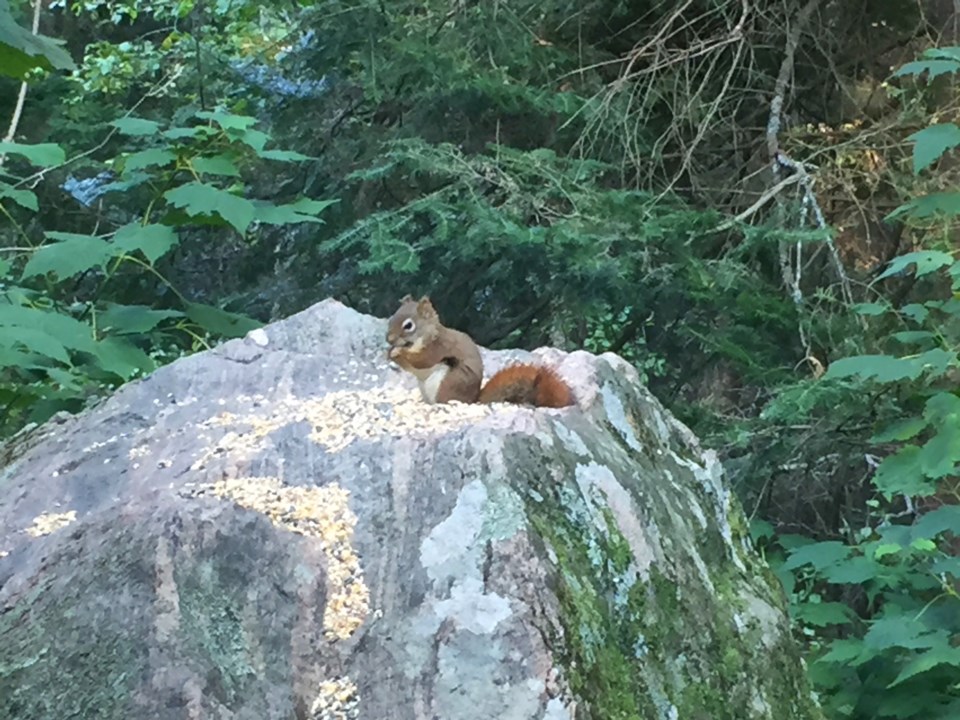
x=528, y=385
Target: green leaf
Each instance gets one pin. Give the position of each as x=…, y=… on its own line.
x=227, y=121
x=70, y=255
x=822, y=614
x=72, y=333
x=852, y=571
x=216, y=165
x=944, y=53
x=134, y=319
x=154, y=241
x=136, y=126
x=913, y=337
x=221, y=322
x=152, y=157
x=12, y=356
x=844, y=651
x=896, y=630
x=942, y=407
x=23, y=198
x=916, y=312
x=284, y=155
x=940, y=454
x=939, y=205
x=900, y=430
x=202, y=199
x=936, y=522
x=122, y=358
x=902, y=474
x=253, y=138
x=21, y=51
x=931, y=143
x=946, y=565
x=41, y=154
x=934, y=657
x=870, y=308
x=887, y=369
x=923, y=545
x=309, y=206
x=271, y=214
x=760, y=529
x=36, y=341
x=179, y=133
x=934, y=67
x=886, y=549
x=926, y=261
x=820, y=555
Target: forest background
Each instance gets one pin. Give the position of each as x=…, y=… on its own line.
x=753, y=201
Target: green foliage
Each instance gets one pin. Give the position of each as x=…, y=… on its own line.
x=896, y=655
x=22, y=52
x=65, y=327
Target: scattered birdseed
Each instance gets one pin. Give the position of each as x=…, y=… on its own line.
x=336, y=700
x=339, y=418
x=49, y=522
x=323, y=513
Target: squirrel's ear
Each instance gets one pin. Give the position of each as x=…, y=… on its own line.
x=406, y=298
x=425, y=307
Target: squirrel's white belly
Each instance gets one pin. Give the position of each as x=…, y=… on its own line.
x=429, y=380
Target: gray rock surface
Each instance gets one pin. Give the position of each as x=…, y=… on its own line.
x=281, y=528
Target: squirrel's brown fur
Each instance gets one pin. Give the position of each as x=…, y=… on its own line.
x=528, y=385
x=448, y=366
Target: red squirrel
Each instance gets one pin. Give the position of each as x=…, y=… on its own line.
x=447, y=364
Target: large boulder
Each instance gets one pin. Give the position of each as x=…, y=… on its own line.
x=281, y=528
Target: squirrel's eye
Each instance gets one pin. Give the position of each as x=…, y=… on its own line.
x=408, y=325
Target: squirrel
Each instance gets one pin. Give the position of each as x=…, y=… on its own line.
x=448, y=366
